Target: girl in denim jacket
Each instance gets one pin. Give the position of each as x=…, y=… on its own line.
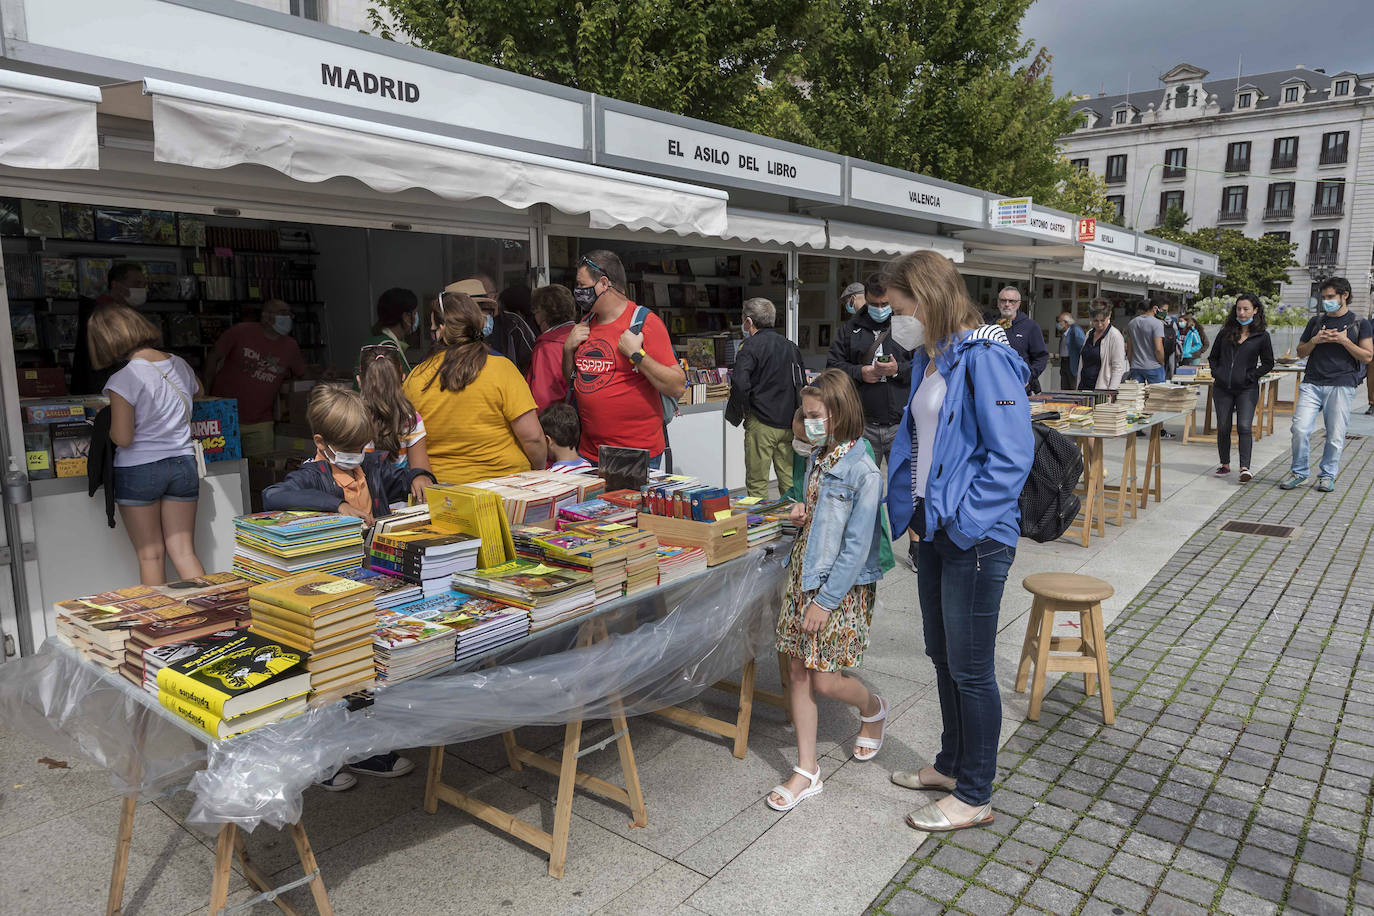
x=834, y=570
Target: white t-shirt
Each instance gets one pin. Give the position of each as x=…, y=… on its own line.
x=925, y=416
x=162, y=412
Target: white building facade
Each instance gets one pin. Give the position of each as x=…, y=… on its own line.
x=1289, y=152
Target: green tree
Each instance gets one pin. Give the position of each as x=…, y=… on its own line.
x=1252, y=265
x=934, y=86
x=1084, y=193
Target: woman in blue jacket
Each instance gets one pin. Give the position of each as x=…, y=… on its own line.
x=959, y=461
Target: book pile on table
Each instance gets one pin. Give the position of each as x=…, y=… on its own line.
x=601, y=557
x=270, y=545
x=1131, y=395
x=477, y=513
x=763, y=529
x=679, y=561
x=551, y=595
x=1168, y=398
x=597, y=511
x=425, y=556
x=391, y=590
x=331, y=618
x=153, y=660
x=229, y=684
x=536, y=496
x=1111, y=418
x=482, y=624
x=99, y=626
x=766, y=517
x=195, y=625
x=407, y=647
x=641, y=560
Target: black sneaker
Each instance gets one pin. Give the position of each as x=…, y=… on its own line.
x=339, y=782
x=1370, y=411
x=384, y=766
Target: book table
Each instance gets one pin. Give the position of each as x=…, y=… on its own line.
x=1265, y=410
x=1135, y=488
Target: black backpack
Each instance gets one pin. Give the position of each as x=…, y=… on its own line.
x=1049, y=504
x=1170, y=338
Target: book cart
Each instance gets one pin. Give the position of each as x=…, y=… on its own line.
x=629, y=657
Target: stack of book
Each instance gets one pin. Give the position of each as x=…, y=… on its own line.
x=551, y=595
x=392, y=591
x=482, y=624
x=331, y=618
x=424, y=556
x=763, y=529
x=477, y=513
x=535, y=496
x=641, y=560
x=99, y=626
x=229, y=686
x=155, y=659
x=1111, y=418
x=270, y=545
x=595, y=511
x=601, y=557
x=1167, y=398
x=1131, y=395
x=677, y=562
x=195, y=625
x=409, y=647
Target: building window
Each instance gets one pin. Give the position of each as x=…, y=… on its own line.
x=1175, y=162
x=1169, y=200
x=1243, y=100
x=1330, y=198
x=1285, y=236
x=1118, y=204
x=1342, y=87
x=1233, y=202
x=1335, y=147
x=1122, y=116
x=1238, y=157
x=1290, y=93
x=1325, y=247
x=1280, y=203
x=1116, y=169
x=1080, y=164
x=308, y=9
x=1285, y=153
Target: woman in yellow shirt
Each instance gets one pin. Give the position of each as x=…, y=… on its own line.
x=479, y=414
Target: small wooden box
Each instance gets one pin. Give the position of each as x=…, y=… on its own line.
x=722, y=540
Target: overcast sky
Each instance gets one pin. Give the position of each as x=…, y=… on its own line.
x=1096, y=42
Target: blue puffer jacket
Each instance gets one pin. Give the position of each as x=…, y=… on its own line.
x=983, y=448
x=846, y=531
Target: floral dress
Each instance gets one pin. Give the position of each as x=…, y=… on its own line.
x=842, y=641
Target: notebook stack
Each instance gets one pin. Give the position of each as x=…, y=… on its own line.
x=1111, y=418
x=482, y=624
x=391, y=590
x=597, y=511
x=408, y=647
x=331, y=618
x=551, y=595
x=1131, y=395
x=1167, y=398
x=194, y=625
x=229, y=686
x=424, y=556
x=477, y=513
x=678, y=562
x=270, y=545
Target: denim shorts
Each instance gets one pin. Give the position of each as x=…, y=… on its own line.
x=169, y=478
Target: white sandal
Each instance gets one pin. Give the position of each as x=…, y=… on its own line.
x=875, y=745
x=792, y=801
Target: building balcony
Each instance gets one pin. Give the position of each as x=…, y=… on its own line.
x=1326, y=211
x=1172, y=173
x=1278, y=213
x=1322, y=259
x=1333, y=157
x=1279, y=163
x=1115, y=178
x=1231, y=216
x=1235, y=166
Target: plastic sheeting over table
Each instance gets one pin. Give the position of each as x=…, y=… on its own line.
x=663, y=647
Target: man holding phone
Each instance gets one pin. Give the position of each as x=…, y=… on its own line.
x=880, y=367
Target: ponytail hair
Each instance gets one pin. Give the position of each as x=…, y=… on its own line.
x=379, y=380
x=464, y=352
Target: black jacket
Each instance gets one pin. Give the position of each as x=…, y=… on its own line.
x=100, y=463
x=767, y=380
x=1236, y=367
x=853, y=348
x=312, y=486
x=511, y=335
x=1027, y=339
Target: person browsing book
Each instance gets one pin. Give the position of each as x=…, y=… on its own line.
x=618, y=374
x=344, y=477
x=480, y=417
x=553, y=312
x=250, y=363
x=832, y=587
x=400, y=430
x=156, y=484
x=562, y=433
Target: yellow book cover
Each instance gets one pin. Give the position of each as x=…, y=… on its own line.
x=310, y=593
x=476, y=513
x=237, y=676
x=219, y=728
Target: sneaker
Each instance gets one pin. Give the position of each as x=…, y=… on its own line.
x=1293, y=480
x=911, y=557
x=1245, y=475
x=1223, y=470
x=1326, y=484
x=384, y=766
x=1165, y=434
x=1370, y=411
x=338, y=782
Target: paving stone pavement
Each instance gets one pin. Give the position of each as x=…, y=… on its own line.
x=1237, y=776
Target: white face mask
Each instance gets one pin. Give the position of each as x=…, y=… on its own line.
x=138, y=296
x=346, y=461
x=282, y=324
x=414, y=324
x=908, y=332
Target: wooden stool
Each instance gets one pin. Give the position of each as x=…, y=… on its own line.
x=1066, y=593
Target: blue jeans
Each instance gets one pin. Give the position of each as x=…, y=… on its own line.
x=1333, y=403
x=1148, y=376
x=172, y=479
x=961, y=594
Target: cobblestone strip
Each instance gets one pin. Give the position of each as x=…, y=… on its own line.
x=1237, y=776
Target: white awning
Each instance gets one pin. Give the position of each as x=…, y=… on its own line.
x=876, y=240
x=1177, y=279
x=747, y=226
x=47, y=123
x=1115, y=264
x=215, y=130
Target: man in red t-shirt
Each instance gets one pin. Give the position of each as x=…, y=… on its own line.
x=618, y=374
x=250, y=362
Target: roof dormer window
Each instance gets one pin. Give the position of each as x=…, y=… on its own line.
x=1342, y=88
x=1243, y=100
x=1290, y=94
x=1122, y=116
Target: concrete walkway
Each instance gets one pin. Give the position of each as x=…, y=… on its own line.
x=711, y=845
x=1237, y=776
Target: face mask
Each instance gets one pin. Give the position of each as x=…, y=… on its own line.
x=138, y=297
x=282, y=324
x=815, y=430
x=1245, y=321
x=908, y=332
x=346, y=461
x=414, y=324
x=1331, y=305
x=487, y=326
x=585, y=296
x=849, y=305
x=880, y=313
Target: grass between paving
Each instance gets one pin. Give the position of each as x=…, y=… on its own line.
x=1181, y=803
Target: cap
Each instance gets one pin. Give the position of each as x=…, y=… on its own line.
x=473, y=288
x=852, y=290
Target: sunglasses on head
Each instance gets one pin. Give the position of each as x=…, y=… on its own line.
x=592, y=265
